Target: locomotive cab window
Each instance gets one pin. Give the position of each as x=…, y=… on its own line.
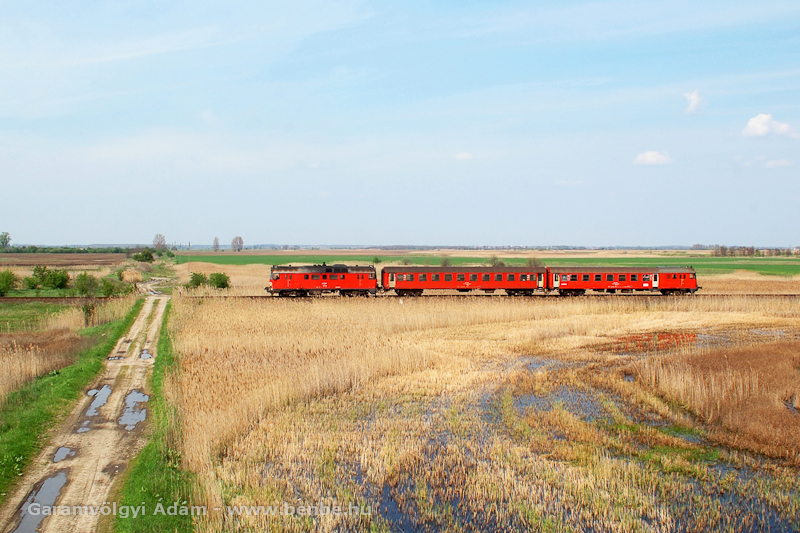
x=372, y=275
x=434, y=277
x=691, y=276
x=461, y=277
x=276, y=276
x=448, y=277
x=598, y=277
x=324, y=276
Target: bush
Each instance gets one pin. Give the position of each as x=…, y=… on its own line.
x=196, y=280
x=169, y=253
x=406, y=261
x=219, y=280
x=145, y=256
x=110, y=287
x=8, y=281
x=56, y=279
x=40, y=272
x=534, y=262
x=446, y=261
x=86, y=284
x=377, y=260
x=31, y=282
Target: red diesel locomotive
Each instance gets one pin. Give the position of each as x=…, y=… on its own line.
x=515, y=281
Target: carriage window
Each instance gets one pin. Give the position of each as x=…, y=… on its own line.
x=314, y=276
x=305, y=277
x=434, y=277
x=598, y=277
x=623, y=277
x=655, y=277
x=634, y=277
x=409, y=277
x=448, y=277
x=573, y=277
x=585, y=277
x=487, y=277
x=645, y=277
x=391, y=276
x=498, y=277
x=423, y=277
x=609, y=277
x=473, y=277
x=461, y=277
x=523, y=277
x=555, y=278
x=511, y=277
x=540, y=276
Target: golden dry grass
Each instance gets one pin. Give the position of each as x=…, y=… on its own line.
x=460, y=414
x=26, y=355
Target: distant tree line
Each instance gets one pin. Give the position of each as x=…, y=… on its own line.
x=750, y=251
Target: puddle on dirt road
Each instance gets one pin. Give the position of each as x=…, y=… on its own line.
x=145, y=354
x=45, y=496
x=115, y=358
x=100, y=399
x=132, y=416
x=63, y=453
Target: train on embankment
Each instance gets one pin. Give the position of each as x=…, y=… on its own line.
x=345, y=280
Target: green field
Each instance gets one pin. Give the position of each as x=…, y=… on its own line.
x=21, y=315
x=775, y=266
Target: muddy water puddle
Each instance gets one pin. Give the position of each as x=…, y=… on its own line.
x=45, y=496
x=133, y=414
x=584, y=405
x=63, y=453
x=100, y=398
x=145, y=354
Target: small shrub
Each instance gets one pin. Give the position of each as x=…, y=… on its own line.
x=219, y=280
x=145, y=256
x=534, y=262
x=8, y=281
x=377, y=260
x=31, y=282
x=56, y=279
x=197, y=280
x=169, y=254
x=40, y=272
x=446, y=261
x=86, y=284
x=406, y=261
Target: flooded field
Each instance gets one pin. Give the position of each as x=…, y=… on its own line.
x=576, y=416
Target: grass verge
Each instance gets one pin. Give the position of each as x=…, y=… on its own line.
x=27, y=414
x=156, y=475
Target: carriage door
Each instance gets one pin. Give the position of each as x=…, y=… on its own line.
x=655, y=281
x=540, y=280
x=391, y=280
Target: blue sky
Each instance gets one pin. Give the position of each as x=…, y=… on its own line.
x=461, y=123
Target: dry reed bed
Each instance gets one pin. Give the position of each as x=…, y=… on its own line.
x=356, y=400
x=52, y=344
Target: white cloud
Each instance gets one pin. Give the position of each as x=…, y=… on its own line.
x=462, y=156
x=693, y=100
x=779, y=163
x=653, y=158
x=763, y=124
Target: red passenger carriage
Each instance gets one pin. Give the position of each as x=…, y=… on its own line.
x=412, y=281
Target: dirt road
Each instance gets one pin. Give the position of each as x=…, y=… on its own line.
x=95, y=443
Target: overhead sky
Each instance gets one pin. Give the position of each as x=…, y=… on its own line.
x=451, y=122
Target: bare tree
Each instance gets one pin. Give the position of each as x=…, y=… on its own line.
x=216, y=244
x=533, y=262
x=159, y=241
x=5, y=239
x=237, y=244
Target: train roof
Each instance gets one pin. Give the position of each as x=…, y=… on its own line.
x=323, y=268
x=422, y=269
x=622, y=269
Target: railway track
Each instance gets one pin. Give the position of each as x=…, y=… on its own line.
x=548, y=296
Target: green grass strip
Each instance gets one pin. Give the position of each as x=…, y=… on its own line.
x=776, y=266
x=155, y=476
x=28, y=413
